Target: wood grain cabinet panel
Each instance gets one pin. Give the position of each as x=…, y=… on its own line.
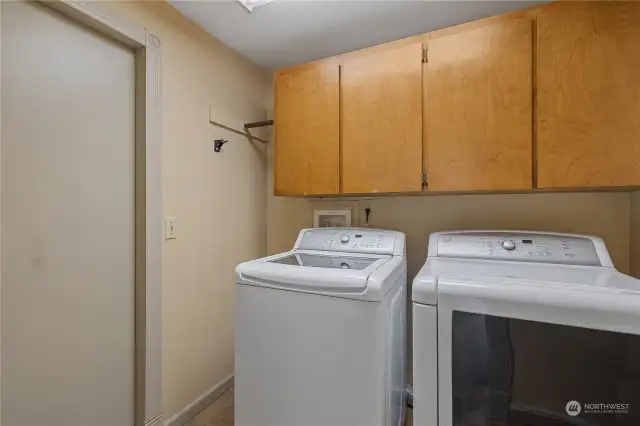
x=307, y=130
x=589, y=94
x=382, y=121
x=478, y=109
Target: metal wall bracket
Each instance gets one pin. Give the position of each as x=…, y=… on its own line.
x=217, y=144
x=236, y=126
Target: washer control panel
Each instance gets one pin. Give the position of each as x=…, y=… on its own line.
x=522, y=247
x=351, y=240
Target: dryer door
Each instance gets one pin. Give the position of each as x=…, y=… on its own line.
x=537, y=354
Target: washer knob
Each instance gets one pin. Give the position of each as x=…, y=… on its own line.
x=345, y=239
x=509, y=245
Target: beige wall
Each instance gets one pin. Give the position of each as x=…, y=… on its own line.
x=634, y=258
x=219, y=199
x=603, y=214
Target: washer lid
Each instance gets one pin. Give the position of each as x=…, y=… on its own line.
x=315, y=260
x=352, y=275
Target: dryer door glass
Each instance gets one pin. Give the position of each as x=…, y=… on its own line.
x=524, y=373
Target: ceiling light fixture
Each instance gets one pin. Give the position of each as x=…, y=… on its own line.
x=252, y=4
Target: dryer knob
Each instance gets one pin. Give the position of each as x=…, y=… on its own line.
x=509, y=245
x=345, y=239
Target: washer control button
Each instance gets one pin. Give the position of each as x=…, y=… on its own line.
x=509, y=245
x=345, y=239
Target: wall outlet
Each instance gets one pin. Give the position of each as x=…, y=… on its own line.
x=170, y=228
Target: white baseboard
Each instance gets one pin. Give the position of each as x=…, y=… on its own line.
x=156, y=421
x=200, y=403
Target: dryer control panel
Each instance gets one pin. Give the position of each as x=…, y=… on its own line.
x=352, y=240
x=523, y=247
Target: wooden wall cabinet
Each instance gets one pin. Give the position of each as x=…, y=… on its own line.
x=307, y=133
x=381, y=119
x=477, y=109
x=543, y=98
x=588, y=94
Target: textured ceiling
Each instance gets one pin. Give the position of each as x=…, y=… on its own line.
x=287, y=32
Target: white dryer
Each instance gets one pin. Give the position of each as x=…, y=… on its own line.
x=520, y=328
x=320, y=332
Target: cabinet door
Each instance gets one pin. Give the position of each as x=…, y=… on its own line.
x=589, y=94
x=478, y=109
x=307, y=130
x=382, y=121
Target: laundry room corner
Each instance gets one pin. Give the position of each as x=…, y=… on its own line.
x=606, y=214
x=320, y=213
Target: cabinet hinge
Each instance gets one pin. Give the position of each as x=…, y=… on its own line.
x=425, y=54
x=425, y=179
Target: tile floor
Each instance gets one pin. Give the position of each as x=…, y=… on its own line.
x=220, y=413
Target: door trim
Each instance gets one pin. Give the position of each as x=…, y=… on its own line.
x=148, y=280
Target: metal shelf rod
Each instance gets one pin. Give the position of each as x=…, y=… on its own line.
x=258, y=124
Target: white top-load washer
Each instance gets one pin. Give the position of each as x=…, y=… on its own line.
x=320, y=332
x=524, y=328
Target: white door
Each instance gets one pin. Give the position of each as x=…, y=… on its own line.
x=67, y=222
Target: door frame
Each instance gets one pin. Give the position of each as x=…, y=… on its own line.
x=148, y=203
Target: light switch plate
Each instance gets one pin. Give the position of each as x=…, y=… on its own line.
x=170, y=228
